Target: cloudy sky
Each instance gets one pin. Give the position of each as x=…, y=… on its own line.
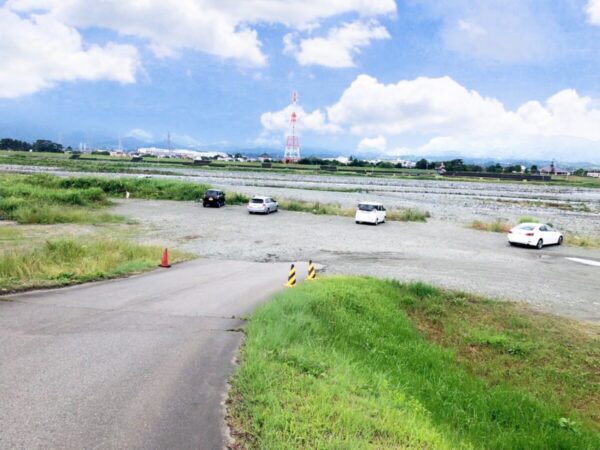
x=505, y=78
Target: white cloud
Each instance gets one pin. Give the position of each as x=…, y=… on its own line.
x=185, y=140
x=593, y=11
x=265, y=141
x=340, y=45
x=39, y=51
x=423, y=105
x=378, y=143
x=142, y=135
x=511, y=31
x=217, y=27
x=452, y=118
x=279, y=121
x=438, y=115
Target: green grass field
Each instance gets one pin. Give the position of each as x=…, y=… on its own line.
x=41, y=257
x=47, y=199
x=68, y=261
x=359, y=363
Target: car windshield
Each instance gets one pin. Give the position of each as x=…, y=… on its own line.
x=364, y=207
x=212, y=192
x=257, y=200
x=526, y=227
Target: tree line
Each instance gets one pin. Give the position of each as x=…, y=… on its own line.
x=41, y=145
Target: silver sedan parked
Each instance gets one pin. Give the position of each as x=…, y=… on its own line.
x=263, y=205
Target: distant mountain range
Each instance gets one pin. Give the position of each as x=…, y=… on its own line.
x=132, y=144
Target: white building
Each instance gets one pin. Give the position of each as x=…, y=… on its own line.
x=180, y=153
x=594, y=173
x=405, y=163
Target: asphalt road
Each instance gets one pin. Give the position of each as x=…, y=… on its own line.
x=136, y=363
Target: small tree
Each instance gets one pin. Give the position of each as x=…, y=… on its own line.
x=422, y=164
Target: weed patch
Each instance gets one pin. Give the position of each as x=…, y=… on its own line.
x=496, y=226
x=69, y=261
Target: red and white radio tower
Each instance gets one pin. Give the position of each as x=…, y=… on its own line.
x=292, y=142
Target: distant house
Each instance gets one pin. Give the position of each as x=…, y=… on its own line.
x=265, y=157
x=593, y=173
x=553, y=169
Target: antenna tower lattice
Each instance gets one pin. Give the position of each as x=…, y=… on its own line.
x=292, y=141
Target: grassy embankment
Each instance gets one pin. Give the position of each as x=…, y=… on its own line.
x=364, y=363
x=45, y=201
x=503, y=226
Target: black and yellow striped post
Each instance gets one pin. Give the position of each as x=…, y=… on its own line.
x=291, y=277
x=312, y=272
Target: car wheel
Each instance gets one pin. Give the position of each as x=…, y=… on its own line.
x=560, y=239
x=357, y=222
x=539, y=244
x=376, y=222
x=204, y=205
x=512, y=244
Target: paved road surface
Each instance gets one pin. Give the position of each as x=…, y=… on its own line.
x=134, y=363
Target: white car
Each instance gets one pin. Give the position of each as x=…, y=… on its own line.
x=370, y=212
x=534, y=234
x=263, y=205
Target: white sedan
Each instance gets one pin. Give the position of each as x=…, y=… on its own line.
x=263, y=205
x=534, y=234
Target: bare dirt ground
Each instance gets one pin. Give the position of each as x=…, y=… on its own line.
x=441, y=251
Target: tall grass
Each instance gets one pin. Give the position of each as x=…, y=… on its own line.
x=145, y=188
x=408, y=215
x=582, y=241
x=334, y=209
x=496, y=226
x=338, y=363
x=69, y=261
x=32, y=200
x=527, y=219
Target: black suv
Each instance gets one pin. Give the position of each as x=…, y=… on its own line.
x=213, y=197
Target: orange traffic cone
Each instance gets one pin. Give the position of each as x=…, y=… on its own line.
x=165, y=259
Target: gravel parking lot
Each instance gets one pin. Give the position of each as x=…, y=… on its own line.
x=440, y=251
x=575, y=210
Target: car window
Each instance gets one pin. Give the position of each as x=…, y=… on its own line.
x=364, y=207
x=525, y=227
x=257, y=200
x=543, y=228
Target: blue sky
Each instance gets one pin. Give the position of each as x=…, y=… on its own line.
x=513, y=78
